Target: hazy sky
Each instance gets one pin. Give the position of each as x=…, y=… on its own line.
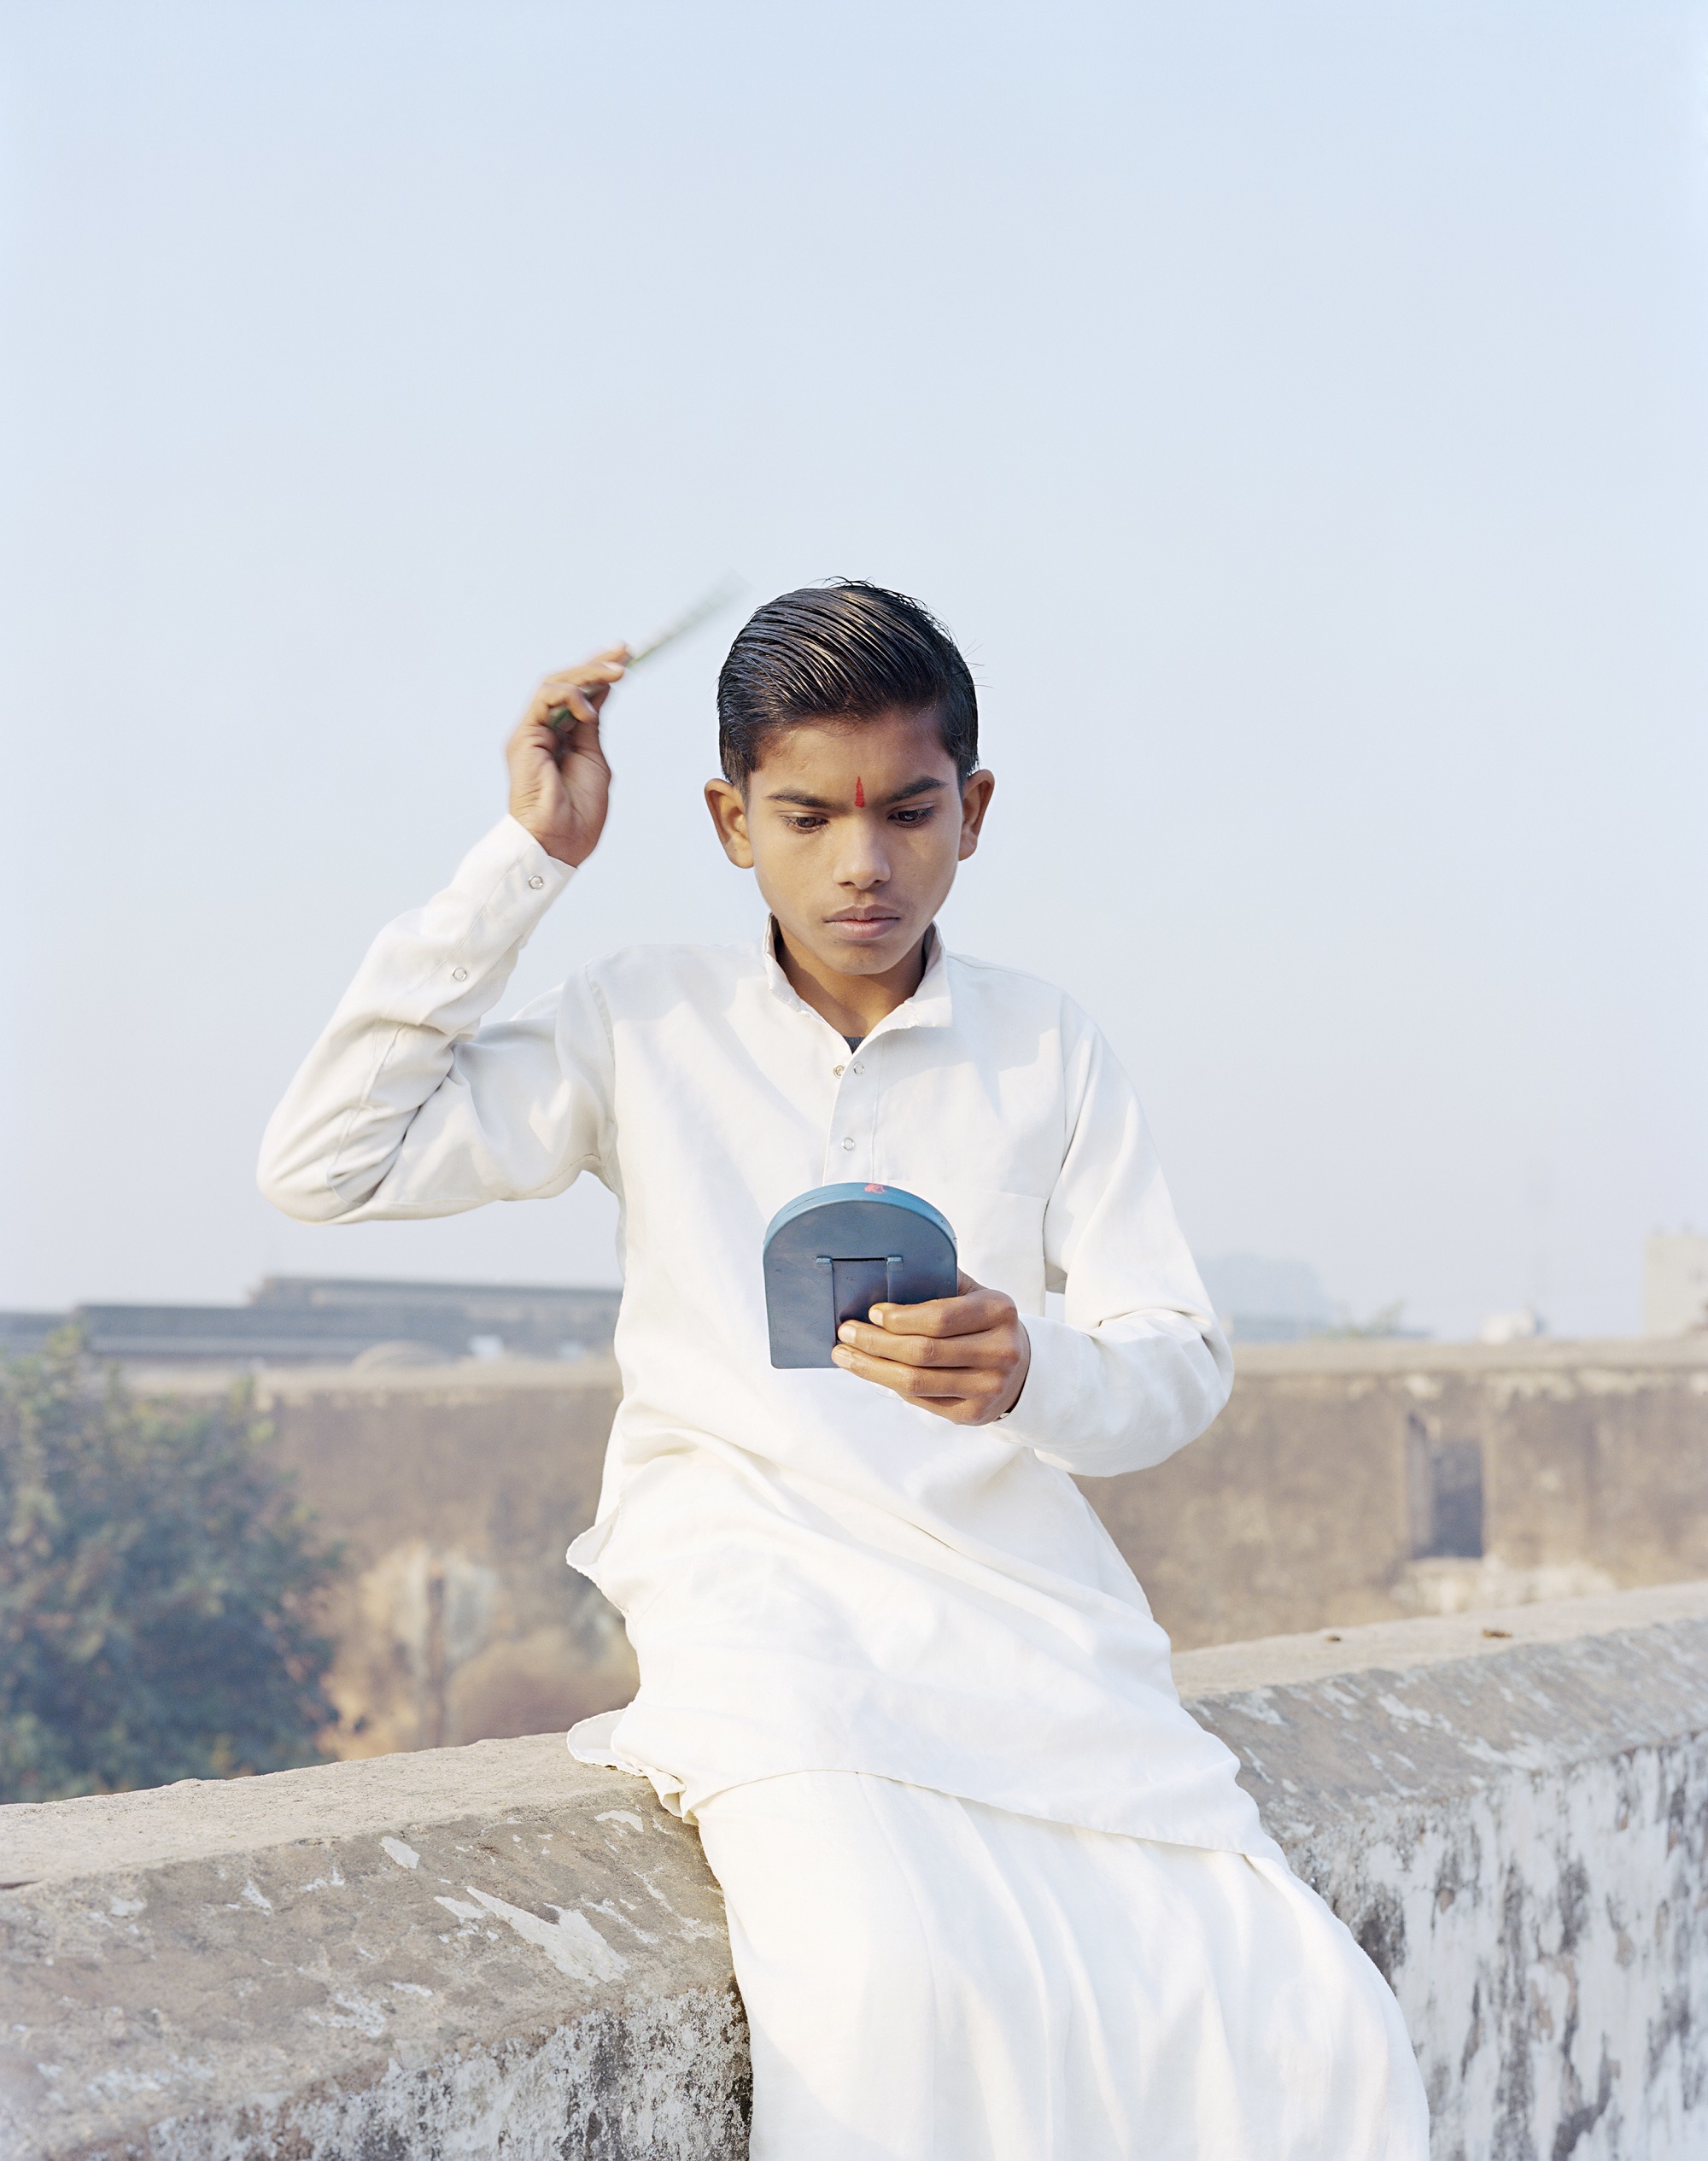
x=1298, y=414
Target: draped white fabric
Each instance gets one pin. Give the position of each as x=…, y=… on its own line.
x=929, y=1979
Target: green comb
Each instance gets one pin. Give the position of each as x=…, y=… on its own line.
x=721, y=595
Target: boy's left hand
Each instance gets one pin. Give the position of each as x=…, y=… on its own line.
x=965, y=1358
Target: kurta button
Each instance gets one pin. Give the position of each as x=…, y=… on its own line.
x=848, y=1140
x=858, y=1067
x=535, y=882
x=837, y=1070
x=459, y=975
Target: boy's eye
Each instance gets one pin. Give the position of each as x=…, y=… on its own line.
x=815, y=821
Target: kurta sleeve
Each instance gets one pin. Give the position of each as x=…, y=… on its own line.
x=1138, y=1367
x=407, y=1106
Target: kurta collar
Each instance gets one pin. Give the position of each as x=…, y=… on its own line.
x=931, y=1006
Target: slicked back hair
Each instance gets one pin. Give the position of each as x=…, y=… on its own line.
x=843, y=650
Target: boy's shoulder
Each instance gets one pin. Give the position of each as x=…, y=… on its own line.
x=1029, y=1000
x=640, y=969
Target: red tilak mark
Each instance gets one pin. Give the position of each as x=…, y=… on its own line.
x=859, y=794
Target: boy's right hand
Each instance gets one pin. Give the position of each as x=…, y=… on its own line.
x=559, y=782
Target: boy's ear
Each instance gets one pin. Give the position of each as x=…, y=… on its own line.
x=976, y=800
x=729, y=817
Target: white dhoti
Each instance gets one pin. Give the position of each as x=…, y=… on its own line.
x=932, y=1979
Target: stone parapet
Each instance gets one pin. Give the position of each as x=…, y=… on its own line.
x=1510, y=1813
x=471, y=1952
x=493, y=1951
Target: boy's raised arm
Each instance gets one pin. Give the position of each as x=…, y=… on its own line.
x=405, y=1106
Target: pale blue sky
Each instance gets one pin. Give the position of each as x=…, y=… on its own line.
x=1297, y=412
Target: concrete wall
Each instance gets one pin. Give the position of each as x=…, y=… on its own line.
x=466, y=1952
x=1510, y=1813
x=1311, y=1502
x=455, y=1490
x=492, y=1951
x=1316, y=1498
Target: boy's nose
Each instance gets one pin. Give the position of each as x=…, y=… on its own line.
x=864, y=862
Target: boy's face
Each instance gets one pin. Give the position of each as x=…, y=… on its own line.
x=854, y=829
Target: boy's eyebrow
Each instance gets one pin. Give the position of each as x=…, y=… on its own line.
x=922, y=785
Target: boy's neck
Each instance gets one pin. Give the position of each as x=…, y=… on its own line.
x=853, y=1005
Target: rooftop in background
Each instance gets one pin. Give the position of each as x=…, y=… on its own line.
x=336, y=1320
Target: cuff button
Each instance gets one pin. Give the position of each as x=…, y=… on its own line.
x=535, y=882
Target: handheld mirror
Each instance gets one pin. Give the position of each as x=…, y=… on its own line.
x=833, y=1254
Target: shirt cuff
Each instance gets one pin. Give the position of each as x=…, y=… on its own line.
x=1043, y=1417
x=509, y=878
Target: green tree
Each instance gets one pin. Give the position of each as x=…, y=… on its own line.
x=156, y=1587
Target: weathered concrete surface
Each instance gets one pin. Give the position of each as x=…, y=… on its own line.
x=470, y=1952
x=1510, y=1811
x=492, y=1951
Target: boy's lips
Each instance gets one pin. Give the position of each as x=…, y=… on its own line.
x=860, y=923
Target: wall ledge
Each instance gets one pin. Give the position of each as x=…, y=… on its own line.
x=492, y=1948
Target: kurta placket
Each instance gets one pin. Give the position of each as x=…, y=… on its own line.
x=851, y=1140
x=850, y=1145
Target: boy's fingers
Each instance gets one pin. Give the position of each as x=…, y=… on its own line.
x=566, y=699
x=590, y=680
x=968, y=1314
x=965, y=1397
x=602, y=672
x=945, y=1353
x=915, y=1382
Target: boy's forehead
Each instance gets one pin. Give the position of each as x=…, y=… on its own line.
x=841, y=752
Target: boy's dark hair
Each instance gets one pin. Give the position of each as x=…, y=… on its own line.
x=843, y=650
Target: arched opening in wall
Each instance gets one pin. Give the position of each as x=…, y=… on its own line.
x=1444, y=1486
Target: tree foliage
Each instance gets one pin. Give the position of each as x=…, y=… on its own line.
x=156, y=1586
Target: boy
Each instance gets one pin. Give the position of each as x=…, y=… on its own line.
x=993, y=1895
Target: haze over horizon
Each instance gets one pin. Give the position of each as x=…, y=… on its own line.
x=1298, y=414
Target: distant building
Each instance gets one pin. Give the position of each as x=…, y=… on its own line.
x=1522, y=1326
x=1675, y=1283
x=294, y=1320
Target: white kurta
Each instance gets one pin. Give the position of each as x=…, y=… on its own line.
x=816, y=1576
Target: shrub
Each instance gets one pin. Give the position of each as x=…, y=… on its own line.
x=156, y=1580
